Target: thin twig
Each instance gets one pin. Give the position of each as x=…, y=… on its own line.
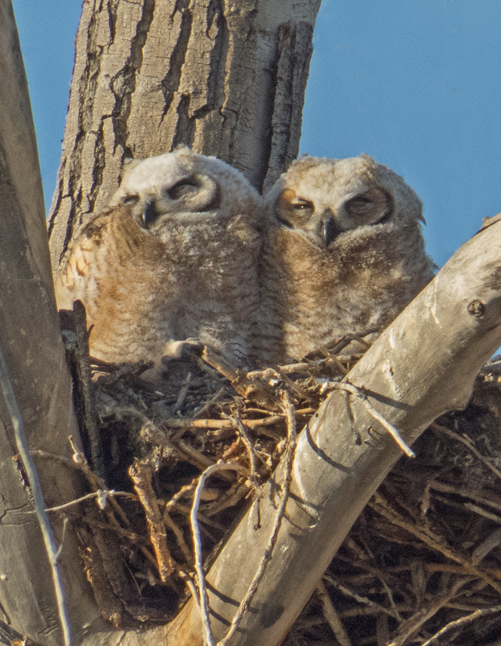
x=179, y=535
x=141, y=477
x=38, y=501
x=331, y=615
x=307, y=367
x=197, y=543
x=350, y=593
x=186, y=490
x=380, y=505
x=189, y=422
x=250, y=449
x=468, y=443
x=182, y=393
x=208, y=404
x=480, y=612
x=362, y=395
x=101, y=495
x=418, y=619
x=268, y=552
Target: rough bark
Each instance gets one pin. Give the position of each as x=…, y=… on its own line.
x=226, y=78
x=421, y=367
x=30, y=341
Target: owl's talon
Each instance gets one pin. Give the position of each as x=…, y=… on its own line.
x=187, y=350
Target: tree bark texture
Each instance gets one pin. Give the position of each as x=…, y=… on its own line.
x=30, y=341
x=224, y=77
x=421, y=367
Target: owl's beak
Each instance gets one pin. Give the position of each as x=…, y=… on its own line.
x=150, y=213
x=328, y=229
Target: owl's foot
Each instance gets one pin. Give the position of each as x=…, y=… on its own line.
x=187, y=350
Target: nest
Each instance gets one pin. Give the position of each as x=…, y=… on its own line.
x=420, y=566
x=422, y=563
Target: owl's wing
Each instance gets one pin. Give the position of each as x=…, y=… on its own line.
x=75, y=275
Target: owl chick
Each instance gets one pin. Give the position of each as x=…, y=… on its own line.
x=344, y=254
x=173, y=258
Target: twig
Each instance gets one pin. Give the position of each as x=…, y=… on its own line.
x=188, y=422
x=208, y=404
x=254, y=476
x=418, y=619
x=349, y=593
x=115, y=371
x=460, y=622
x=230, y=498
x=182, y=393
x=268, y=552
x=141, y=477
x=468, y=443
x=197, y=543
x=152, y=433
x=101, y=495
x=331, y=615
x=98, y=485
x=251, y=389
x=296, y=388
x=186, y=490
x=179, y=535
x=362, y=395
x=38, y=501
x=308, y=367
x=379, y=504
x=136, y=538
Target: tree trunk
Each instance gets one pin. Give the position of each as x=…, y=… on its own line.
x=30, y=342
x=225, y=78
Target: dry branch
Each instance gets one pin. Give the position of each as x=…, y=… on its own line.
x=34, y=357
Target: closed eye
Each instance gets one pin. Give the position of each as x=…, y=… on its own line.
x=184, y=188
x=131, y=200
x=359, y=205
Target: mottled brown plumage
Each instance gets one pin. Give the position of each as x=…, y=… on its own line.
x=344, y=254
x=173, y=258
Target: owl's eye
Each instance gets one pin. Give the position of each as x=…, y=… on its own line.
x=131, y=200
x=302, y=206
x=359, y=205
x=184, y=188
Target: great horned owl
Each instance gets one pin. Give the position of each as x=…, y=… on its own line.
x=344, y=254
x=173, y=258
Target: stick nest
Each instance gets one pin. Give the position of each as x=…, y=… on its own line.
x=421, y=565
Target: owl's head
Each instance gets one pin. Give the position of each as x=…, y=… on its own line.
x=182, y=187
x=324, y=199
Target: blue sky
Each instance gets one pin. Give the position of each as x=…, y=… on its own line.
x=413, y=83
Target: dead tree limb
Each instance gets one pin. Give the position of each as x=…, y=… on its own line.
x=33, y=356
